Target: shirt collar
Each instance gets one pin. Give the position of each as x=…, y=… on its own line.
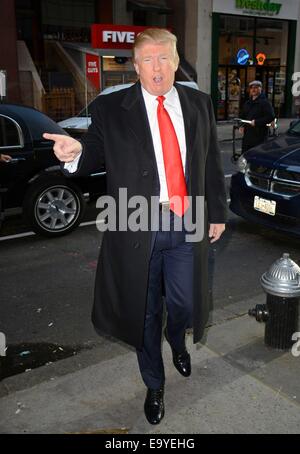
x=170, y=95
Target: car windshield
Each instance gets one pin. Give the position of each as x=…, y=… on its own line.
x=295, y=129
x=86, y=112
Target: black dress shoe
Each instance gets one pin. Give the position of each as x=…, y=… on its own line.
x=182, y=360
x=154, y=405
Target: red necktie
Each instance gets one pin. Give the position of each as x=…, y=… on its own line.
x=172, y=160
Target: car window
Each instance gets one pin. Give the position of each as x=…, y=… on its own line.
x=38, y=123
x=85, y=112
x=10, y=133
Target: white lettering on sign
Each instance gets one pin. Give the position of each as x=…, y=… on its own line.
x=118, y=37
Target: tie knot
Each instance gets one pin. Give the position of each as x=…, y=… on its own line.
x=160, y=100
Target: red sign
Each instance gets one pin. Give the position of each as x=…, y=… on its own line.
x=108, y=36
x=93, y=70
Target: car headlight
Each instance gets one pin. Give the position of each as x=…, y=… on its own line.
x=242, y=164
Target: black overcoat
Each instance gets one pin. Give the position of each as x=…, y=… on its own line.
x=260, y=110
x=120, y=137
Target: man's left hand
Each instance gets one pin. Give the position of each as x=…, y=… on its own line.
x=215, y=231
x=5, y=158
x=252, y=122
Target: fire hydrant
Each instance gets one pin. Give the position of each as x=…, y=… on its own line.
x=280, y=313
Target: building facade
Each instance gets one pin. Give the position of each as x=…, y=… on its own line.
x=51, y=45
x=223, y=45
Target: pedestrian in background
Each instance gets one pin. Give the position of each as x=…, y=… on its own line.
x=259, y=111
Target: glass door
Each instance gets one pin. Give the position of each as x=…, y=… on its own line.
x=274, y=81
x=234, y=92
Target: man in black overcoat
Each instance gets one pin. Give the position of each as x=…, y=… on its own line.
x=259, y=111
x=158, y=141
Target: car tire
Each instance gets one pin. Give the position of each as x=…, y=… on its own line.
x=53, y=206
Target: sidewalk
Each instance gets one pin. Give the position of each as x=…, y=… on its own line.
x=238, y=385
x=225, y=128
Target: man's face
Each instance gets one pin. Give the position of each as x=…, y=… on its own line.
x=156, y=67
x=255, y=91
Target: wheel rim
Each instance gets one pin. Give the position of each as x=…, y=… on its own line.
x=57, y=208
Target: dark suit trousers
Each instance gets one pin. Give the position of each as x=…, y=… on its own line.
x=171, y=264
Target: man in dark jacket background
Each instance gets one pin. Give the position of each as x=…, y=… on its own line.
x=260, y=112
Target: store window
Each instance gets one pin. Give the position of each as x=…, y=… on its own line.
x=236, y=33
x=251, y=48
x=118, y=70
x=68, y=20
x=272, y=41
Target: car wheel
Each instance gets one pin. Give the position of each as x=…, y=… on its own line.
x=54, y=206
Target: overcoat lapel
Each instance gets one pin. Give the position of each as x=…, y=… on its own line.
x=190, y=116
x=137, y=117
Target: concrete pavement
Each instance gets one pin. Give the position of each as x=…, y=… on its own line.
x=238, y=385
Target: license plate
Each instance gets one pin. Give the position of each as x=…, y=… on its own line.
x=265, y=206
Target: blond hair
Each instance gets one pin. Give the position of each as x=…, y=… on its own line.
x=156, y=35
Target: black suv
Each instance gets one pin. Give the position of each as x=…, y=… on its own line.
x=52, y=204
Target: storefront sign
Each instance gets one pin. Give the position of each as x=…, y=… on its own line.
x=259, y=6
x=279, y=9
x=107, y=36
x=93, y=70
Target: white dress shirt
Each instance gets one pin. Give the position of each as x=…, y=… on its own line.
x=173, y=107
x=72, y=166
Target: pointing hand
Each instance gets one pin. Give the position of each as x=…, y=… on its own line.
x=66, y=148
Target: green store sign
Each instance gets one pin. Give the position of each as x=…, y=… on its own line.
x=261, y=6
